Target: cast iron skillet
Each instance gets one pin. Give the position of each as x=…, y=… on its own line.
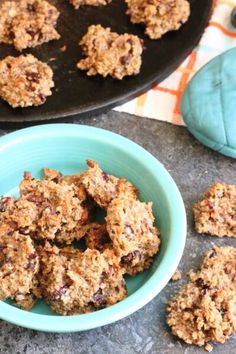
x=76, y=93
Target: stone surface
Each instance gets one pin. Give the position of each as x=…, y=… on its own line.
x=194, y=167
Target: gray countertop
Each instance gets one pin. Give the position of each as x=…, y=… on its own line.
x=193, y=168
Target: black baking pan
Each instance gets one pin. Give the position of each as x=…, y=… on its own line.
x=76, y=93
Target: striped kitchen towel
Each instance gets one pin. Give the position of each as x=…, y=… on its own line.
x=163, y=101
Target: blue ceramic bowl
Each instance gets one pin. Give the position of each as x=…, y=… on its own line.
x=66, y=147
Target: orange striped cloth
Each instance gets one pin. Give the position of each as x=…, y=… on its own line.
x=163, y=101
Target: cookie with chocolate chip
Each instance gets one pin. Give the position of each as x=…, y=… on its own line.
x=25, y=81
x=108, y=53
x=103, y=187
x=131, y=229
x=204, y=309
x=158, y=16
x=19, y=265
x=28, y=23
x=79, y=282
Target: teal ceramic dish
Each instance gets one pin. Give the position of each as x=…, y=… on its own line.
x=66, y=147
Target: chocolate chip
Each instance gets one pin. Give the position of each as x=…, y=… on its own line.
x=4, y=202
x=56, y=179
x=130, y=257
x=2, y=262
x=212, y=254
x=222, y=312
x=31, y=7
x=61, y=291
x=32, y=33
x=200, y=283
x=5, y=259
x=104, y=239
x=32, y=255
x=27, y=175
x=38, y=241
x=105, y=176
x=42, y=97
x=31, y=261
x=38, y=199
x=32, y=76
x=2, y=247
x=126, y=59
x=99, y=299
x=129, y=227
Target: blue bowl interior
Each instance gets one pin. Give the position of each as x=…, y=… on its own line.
x=66, y=148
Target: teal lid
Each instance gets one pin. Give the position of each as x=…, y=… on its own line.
x=209, y=104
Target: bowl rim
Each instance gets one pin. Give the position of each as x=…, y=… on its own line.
x=166, y=268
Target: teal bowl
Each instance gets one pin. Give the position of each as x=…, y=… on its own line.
x=66, y=147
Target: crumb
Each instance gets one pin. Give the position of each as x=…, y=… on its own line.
x=208, y=347
x=108, y=53
x=176, y=276
x=78, y=3
x=63, y=48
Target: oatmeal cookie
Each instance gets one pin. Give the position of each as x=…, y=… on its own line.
x=158, y=16
x=75, y=180
x=103, y=187
x=204, y=309
x=215, y=214
x=78, y=3
x=25, y=81
x=17, y=215
x=19, y=265
x=82, y=282
x=108, y=53
x=130, y=227
x=28, y=23
x=60, y=212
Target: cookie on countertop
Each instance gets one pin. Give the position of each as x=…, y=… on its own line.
x=204, y=309
x=78, y=3
x=80, y=282
x=19, y=265
x=215, y=214
x=28, y=23
x=130, y=227
x=25, y=81
x=158, y=16
x=103, y=187
x=108, y=53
